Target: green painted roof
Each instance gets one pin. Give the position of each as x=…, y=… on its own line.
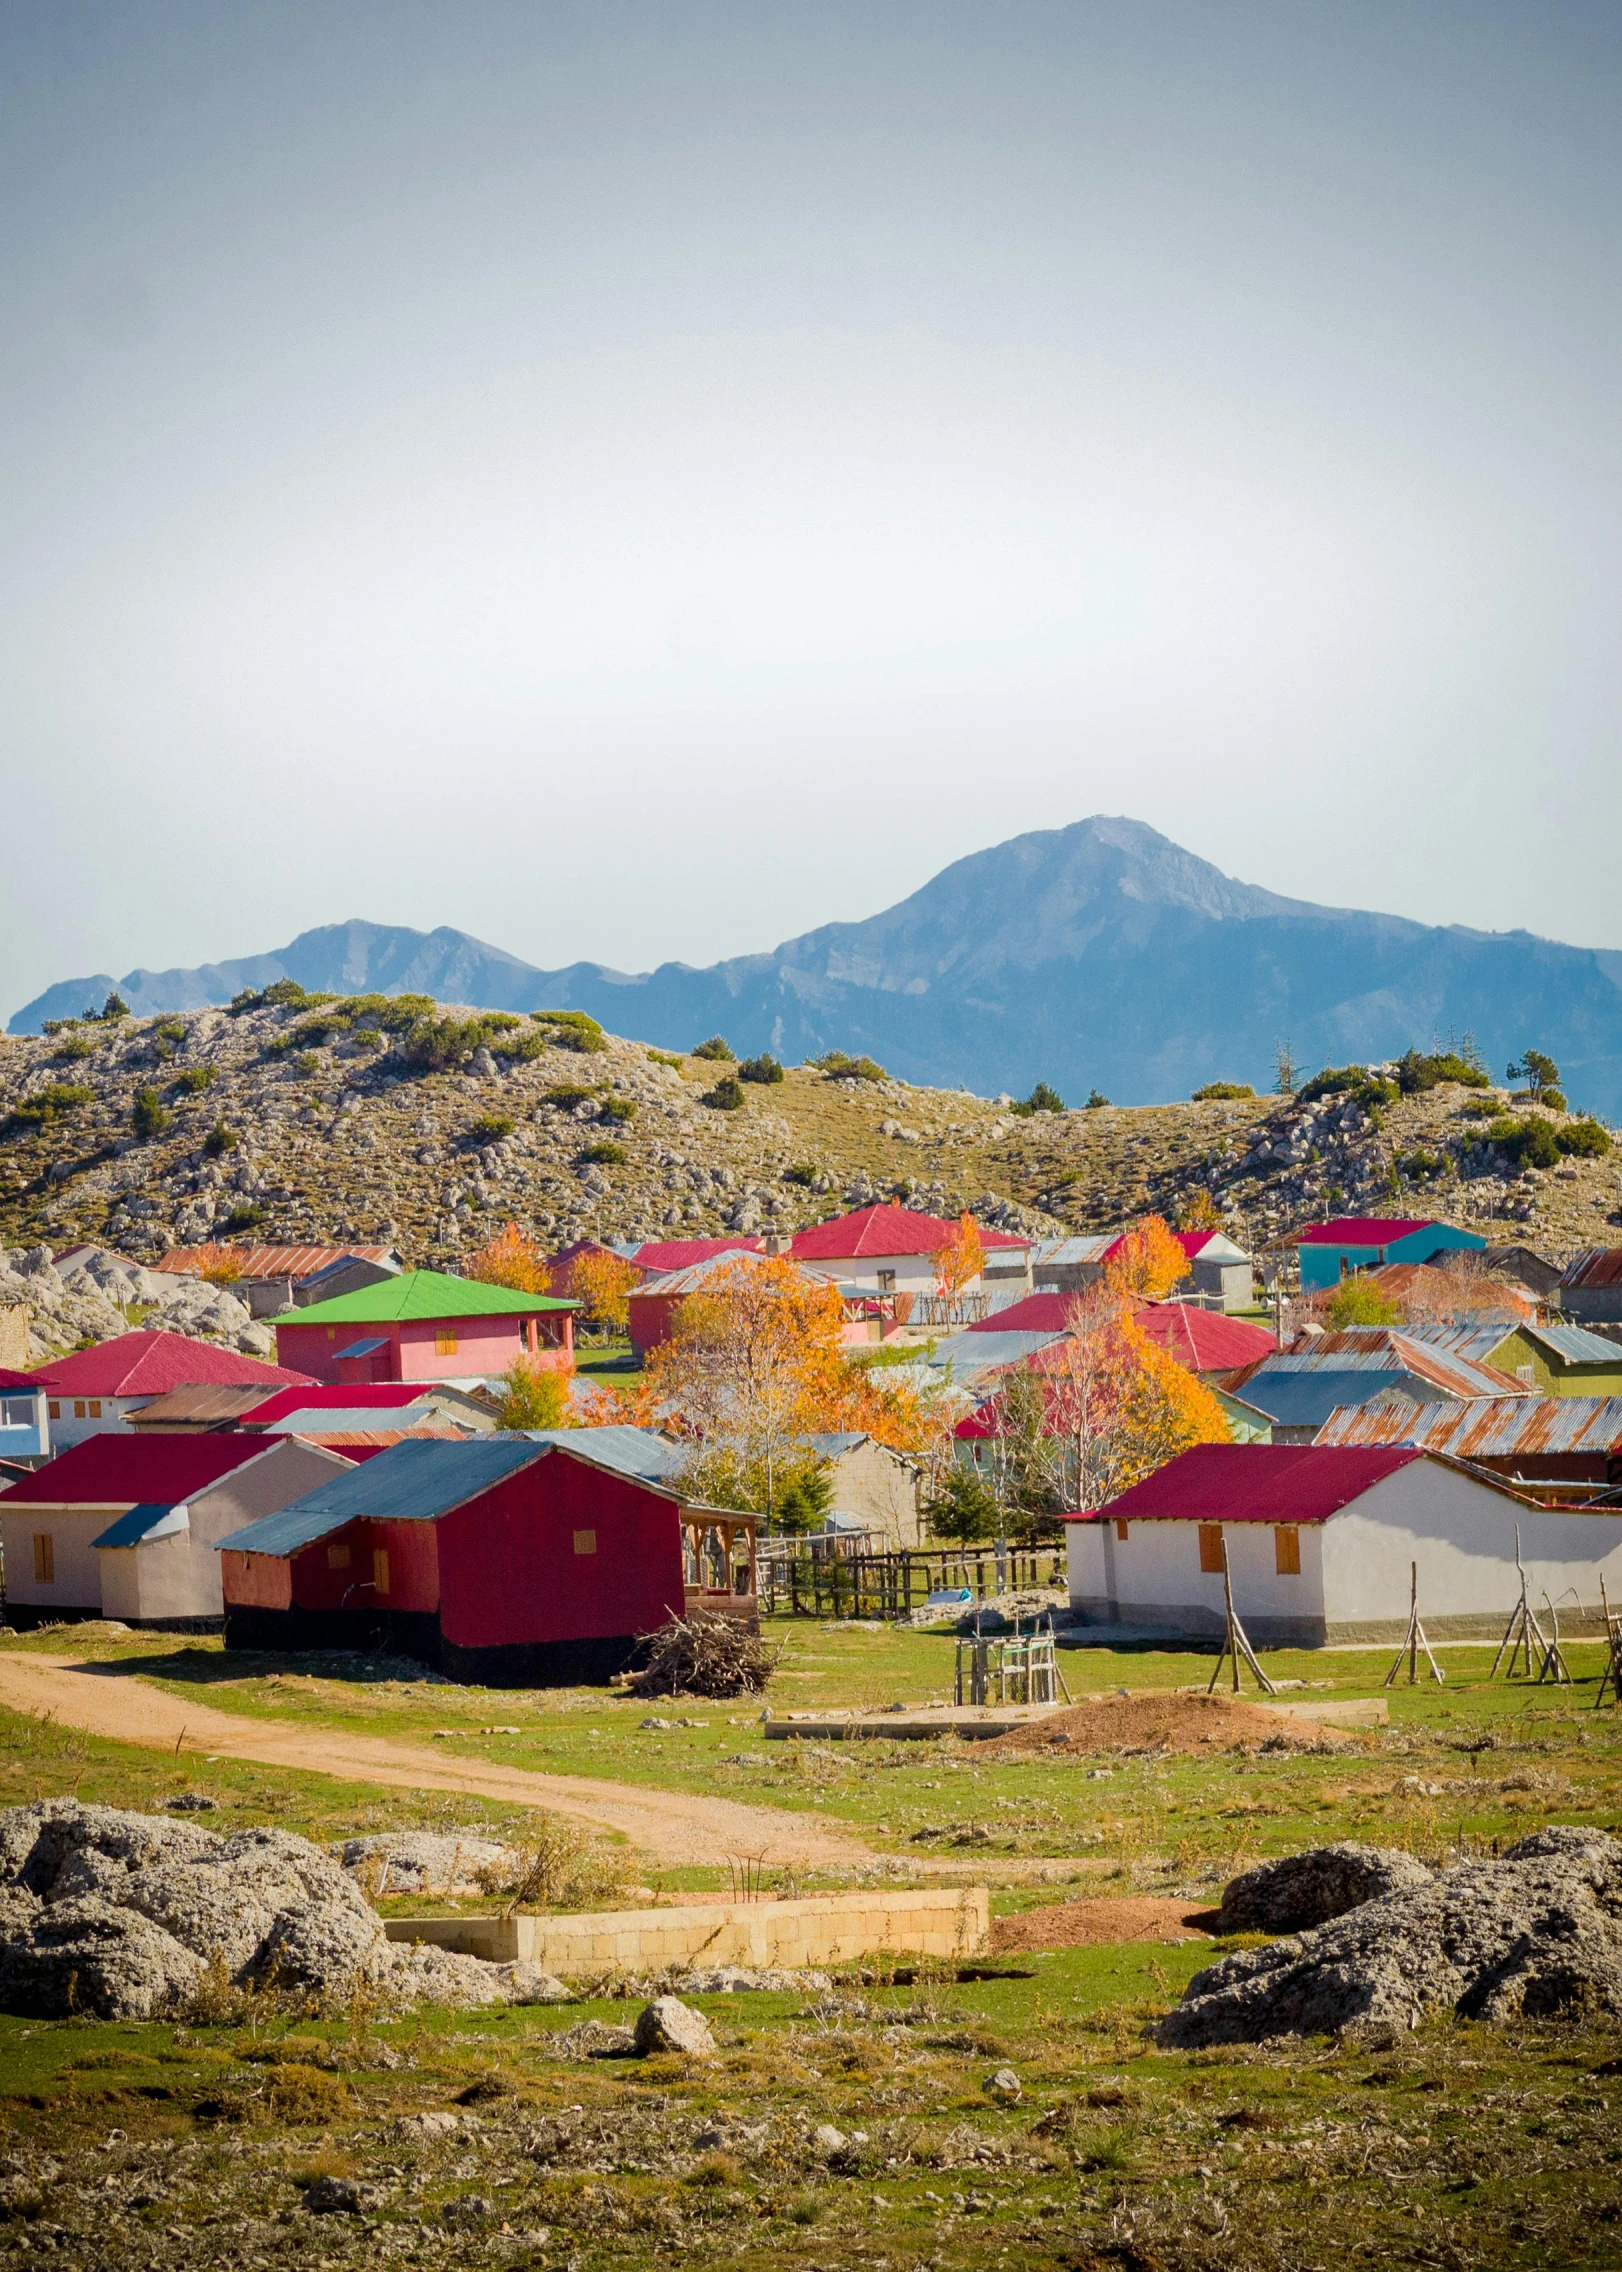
x=422, y=1294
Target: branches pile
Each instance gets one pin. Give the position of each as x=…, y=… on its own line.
x=705, y=1655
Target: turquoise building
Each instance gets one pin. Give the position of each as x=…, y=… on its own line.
x=1328, y=1252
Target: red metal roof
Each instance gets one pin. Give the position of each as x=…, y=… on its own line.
x=13, y=1383
x=347, y=1396
x=1364, y=1230
x=1037, y=1313
x=147, y=1364
x=119, y=1470
x=1597, y=1266
x=660, y=1255
x=266, y=1261
x=1255, y=1483
x=884, y=1230
x=1193, y=1243
x=1206, y=1341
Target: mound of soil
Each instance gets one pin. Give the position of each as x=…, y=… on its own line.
x=124, y=1916
x=1535, y=1933
x=1084, y=1924
x=1171, y=1722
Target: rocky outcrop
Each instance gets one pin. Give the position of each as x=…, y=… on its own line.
x=1298, y=1891
x=1535, y=1933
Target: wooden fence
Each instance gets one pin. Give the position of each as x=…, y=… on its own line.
x=807, y=1583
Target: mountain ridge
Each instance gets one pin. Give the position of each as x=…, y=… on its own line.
x=1100, y=955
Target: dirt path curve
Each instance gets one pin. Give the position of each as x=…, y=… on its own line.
x=672, y=1827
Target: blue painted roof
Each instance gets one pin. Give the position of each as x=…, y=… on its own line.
x=640, y=1453
x=416, y=1481
x=136, y=1523
x=1306, y=1399
x=362, y=1348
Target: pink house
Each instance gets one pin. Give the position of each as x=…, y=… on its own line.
x=425, y=1326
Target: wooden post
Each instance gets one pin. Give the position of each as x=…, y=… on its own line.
x=1414, y=1639
x=1235, y=1640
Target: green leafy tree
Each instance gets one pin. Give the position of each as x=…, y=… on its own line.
x=726, y=1096
x=219, y=1140
x=1540, y=1073
x=1583, y=1140
x=805, y=1502
x=716, y=1048
x=1096, y=1099
x=147, y=1114
x=1041, y=1099
x=964, y=1508
x=1287, y=1074
x=533, y=1396
x=764, y=1069
x=1358, y=1301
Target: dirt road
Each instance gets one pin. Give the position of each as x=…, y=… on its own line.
x=673, y=1828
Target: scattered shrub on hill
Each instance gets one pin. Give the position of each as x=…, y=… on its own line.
x=607, y=1155
x=368, y=1037
x=620, y=1109
x=836, y=1066
x=666, y=1057
x=1041, y=1099
x=490, y=1128
x=572, y=1029
x=521, y=1048
x=567, y=1097
x=1220, y=1092
x=75, y=1047
x=220, y=1140
x=1353, y=1082
x=112, y=1010
x=1478, y=1108
x=170, y=1032
x=194, y=1080
x=47, y=1105
x=726, y=1096
x=764, y=1069
x=803, y=1172
x=721, y=1051
x=246, y=1215
x=1530, y=1142
x=280, y=994
x=1417, y=1073
x=1096, y=1099
x=1583, y=1140
x=1421, y=1166
x=147, y=1115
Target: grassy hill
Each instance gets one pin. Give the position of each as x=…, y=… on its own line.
x=431, y=1127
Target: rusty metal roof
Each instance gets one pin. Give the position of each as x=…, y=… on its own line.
x=265, y=1261
x=1506, y=1427
x=1447, y=1369
x=1595, y=1266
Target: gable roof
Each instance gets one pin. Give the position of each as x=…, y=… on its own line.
x=639, y=1453
x=883, y=1230
x=1503, y=1427
x=263, y=1260
x=351, y=1396
x=693, y=1276
x=1202, y=1340
x=422, y=1295
x=148, y=1363
x=1595, y=1266
x=1366, y=1230
x=20, y=1384
x=415, y=1480
x=1037, y=1313
x=661, y=1255
x=1255, y=1483
x=1193, y=1244
x=119, y=1470
x=1306, y=1399
x=1573, y=1346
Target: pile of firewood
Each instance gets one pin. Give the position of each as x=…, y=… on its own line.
x=705, y=1655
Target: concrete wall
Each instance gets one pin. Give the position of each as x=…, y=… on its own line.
x=76, y=1586
x=73, y=1418
x=879, y=1490
x=828, y=1929
x=1153, y=1577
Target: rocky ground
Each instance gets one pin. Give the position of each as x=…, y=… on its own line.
x=269, y=1129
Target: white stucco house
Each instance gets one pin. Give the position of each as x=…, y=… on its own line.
x=891, y=1250
x=1320, y=1541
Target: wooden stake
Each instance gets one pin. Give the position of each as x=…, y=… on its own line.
x=1235, y=1641
x=1414, y=1639
x=1611, y=1677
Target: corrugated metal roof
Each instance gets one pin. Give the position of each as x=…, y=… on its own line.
x=693, y=1277
x=149, y=1363
x=1067, y=1253
x=884, y=1230
x=265, y=1260
x=1254, y=1483
x=1305, y=1399
x=321, y=1419
x=203, y=1403
x=422, y=1295
x=116, y=1469
x=966, y=1354
x=639, y=1453
x=413, y=1481
x=1366, y=1230
x=1595, y=1266
x=661, y=1255
x=151, y=1520
x=1573, y=1346
x=1453, y=1374
x=1504, y=1427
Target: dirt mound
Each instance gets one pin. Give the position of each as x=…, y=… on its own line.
x=1298, y=1891
x=1535, y=1933
x=124, y=1916
x=1084, y=1924
x=1172, y=1722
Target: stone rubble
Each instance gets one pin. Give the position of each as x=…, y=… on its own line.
x=1298, y=1891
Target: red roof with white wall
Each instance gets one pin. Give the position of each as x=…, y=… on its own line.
x=151, y=1363
x=1255, y=1483
x=122, y=1468
x=884, y=1230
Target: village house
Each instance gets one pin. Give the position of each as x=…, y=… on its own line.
x=1328, y=1252
x=887, y=1249
x=1558, y=1360
x=1558, y=1449
x=1590, y=1289
x=876, y=1490
x=97, y=1390
x=126, y=1526
x=511, y=1560
x=1299, y=1387
x=1221, y=1274
x=270, y=1278
x=422, y=1325
x=25, y=1420
x=1320, y=1542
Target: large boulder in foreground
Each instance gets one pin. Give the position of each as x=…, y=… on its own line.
x=1537, y=1932
x=121, y=1916
x=1298, y=1891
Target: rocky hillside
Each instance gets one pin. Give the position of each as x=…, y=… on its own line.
x=404, y=1121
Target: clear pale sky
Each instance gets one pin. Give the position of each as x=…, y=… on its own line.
x=640, y=481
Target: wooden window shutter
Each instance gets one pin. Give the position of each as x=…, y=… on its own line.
x=1121, y=1528
x=44, y=1558
x=445, y=1341
x=1211, y=1549
x=380, y=1568
x=1287, y=1550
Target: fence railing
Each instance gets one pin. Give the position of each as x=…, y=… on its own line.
x=806, y=1583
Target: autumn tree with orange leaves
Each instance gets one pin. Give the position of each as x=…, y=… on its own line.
x=754, y=1367
x=1147, y=1263
x=511, y=1259
x=602, y=1283
x=960, y=1260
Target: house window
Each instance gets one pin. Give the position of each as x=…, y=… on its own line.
x=1211, y=1549
x=44, y=1558
x=332, y=1333
x=55, y=1409
x=585, y=1542
x=445, y=1341
x=380, y=1568
x=886, y=1281
x=337, y=1557
x=1525, y=1373
x=1287, y=1550
x=78, y=1408
x=1121, y=1528
x=95, y=1408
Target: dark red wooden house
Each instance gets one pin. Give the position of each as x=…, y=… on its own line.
x=509, y=1560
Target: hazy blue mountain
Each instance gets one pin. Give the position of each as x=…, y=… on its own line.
x=1096, y=955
